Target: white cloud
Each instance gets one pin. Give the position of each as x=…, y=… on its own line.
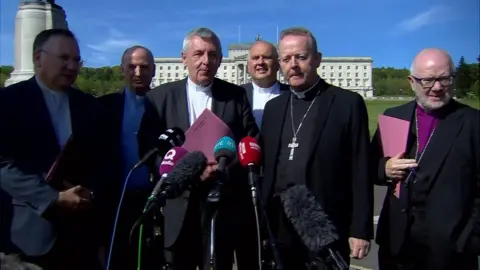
x=114, y=44
x=434, y=15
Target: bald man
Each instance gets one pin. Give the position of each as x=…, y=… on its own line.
x=433, y=224
x=125, y=109
x=263, y=67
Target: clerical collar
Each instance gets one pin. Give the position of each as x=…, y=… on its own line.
x=437, y=113
x=272, y=89
x=307, y=93
x=204, y=89
x=130, y=93
x=48, y=90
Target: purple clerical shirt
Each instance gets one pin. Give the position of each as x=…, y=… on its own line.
x=427, y=122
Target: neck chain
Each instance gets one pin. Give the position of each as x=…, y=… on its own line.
x=419, y=154
x=294, y=143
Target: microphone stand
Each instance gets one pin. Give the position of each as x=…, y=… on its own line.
x=213, y=199
x=271, y=239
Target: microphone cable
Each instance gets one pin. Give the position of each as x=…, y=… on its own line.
x=117, y=215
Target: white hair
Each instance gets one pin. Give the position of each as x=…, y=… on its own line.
x=203, y=33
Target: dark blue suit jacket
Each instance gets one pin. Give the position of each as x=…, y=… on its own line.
x=30, y=223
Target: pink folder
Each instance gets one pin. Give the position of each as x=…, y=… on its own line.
x=204, y=133
x=394, y=137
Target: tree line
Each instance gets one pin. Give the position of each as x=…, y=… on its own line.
x=387, y=81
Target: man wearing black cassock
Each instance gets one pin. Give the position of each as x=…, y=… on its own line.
x=432, y=221
x=328, y=127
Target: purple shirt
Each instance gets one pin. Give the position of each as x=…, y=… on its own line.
x=427, y=122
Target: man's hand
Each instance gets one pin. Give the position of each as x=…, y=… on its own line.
x=209, y=172
x=75, y=198
x=397, y=168
x=359, y=248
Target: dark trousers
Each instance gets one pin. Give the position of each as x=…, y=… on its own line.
x=416, y=255
x=125, y=252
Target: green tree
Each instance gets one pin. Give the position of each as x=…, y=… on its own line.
x=463, y=79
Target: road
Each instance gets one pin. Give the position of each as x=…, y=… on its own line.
x=370, y=262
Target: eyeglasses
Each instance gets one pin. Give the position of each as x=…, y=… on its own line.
x=65, y=58
x=430, y=82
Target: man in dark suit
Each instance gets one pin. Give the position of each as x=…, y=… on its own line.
x=178, y=104
x=263, y=67
x=125, y=111
x=316, y=135
x=53, y=228
x=433, y=223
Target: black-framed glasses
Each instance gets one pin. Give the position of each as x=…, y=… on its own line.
x=430, y=81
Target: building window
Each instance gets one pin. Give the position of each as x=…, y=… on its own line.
x=365, y=74
x=356, y=74
x=323, y=74
x=331, y=67
x=348, y=67
x=348, y=84
x=348, y=74
x=168, y=74
x=356, y=67
x=323, y=67
x=224, y=67
x=339, y=67
x=168, y=67
x=176, y=75
x=176, y=68
x=339, y=84
x=339, y=74
x=364, y=67
x=331, y=74
x=161, y=68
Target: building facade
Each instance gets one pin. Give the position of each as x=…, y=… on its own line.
x=352, y=73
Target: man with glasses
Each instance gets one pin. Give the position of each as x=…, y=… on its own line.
x=432, y=222
x=53, y=225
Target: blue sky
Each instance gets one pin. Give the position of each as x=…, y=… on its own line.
x=389, y=31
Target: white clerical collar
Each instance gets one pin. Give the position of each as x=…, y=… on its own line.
x=49, y=91
x=302, y=94
x=132, y=95
x=272, y=89
x=198, y=88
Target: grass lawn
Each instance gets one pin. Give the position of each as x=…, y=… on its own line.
x=376, y=107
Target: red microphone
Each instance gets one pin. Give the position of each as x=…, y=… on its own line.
x=249, y=152
x=167, y=165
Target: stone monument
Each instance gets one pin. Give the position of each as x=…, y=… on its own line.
x=33, y=16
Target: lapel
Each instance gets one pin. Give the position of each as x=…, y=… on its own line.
x=219, y=98
x=118, y=110
x=180, y=105
x=39, y=111
x=441, y=142
x=249, y=89
x=77, y=113
x=321, y=111
x=273, y=137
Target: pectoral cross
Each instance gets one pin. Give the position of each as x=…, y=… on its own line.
x=292, y=147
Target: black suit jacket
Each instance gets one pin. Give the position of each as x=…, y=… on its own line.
x=28, y=147
x=166, y=107
x=249, y=88
x=450, y=174
x=336, y=165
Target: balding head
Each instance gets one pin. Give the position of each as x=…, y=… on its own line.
x=431, y=78
x=263, y=63
x=138, y=69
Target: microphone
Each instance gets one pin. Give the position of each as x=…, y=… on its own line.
x=170, y=138
x=313, y=225
x=168, y=163
x=224, y=152
x=183, y=175
x=250, y=156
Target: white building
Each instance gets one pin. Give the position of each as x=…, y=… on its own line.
x=353, y=73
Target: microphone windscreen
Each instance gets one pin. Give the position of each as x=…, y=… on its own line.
x=171, y=158
x=249, y=152
x=308, y=218
x=225, y=147
x=186, y=172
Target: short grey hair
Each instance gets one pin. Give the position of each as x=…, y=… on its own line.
x=130, y=50
x=203, y=33
x=413, y=70
x=300, y=31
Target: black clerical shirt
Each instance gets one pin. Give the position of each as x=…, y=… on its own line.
x=289, y=172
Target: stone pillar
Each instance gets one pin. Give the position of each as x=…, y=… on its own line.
x=33, y=16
